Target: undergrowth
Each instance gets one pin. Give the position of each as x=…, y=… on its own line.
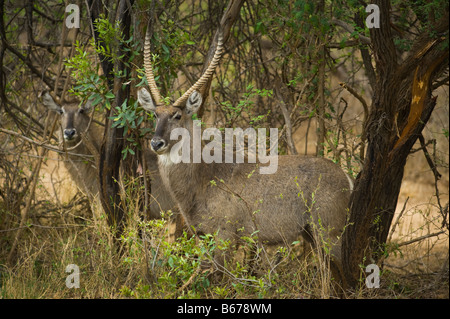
x=143, y=263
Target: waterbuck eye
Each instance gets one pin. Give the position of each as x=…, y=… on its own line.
x=177, y=116
x=80, y=111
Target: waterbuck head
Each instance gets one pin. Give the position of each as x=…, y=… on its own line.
x=169, y=118
x=178, y=114
x=74, y=118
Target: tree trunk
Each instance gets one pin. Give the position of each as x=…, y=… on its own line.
x=111, y=149
x=401, y=107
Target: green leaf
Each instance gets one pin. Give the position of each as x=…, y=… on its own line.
x=109, y=95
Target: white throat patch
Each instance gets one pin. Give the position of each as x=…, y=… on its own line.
x=165, y=160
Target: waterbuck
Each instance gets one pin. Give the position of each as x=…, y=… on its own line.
x=233, y=199
x=83, y=139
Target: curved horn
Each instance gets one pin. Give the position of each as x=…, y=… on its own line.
x=149, y=71
x=205, y=77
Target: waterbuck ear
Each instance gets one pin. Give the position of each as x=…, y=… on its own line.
x=50, y=103
x=145, y=99
x=193, y=103
x=87, y=107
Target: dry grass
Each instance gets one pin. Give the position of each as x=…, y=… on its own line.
x=151, y=267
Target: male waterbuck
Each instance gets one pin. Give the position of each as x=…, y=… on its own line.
x=234, y=199
x=83, y=139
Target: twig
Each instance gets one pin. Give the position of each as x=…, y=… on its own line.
x=437, y=177
x=194, y=274
x=39, y=226
x=420, y=238
x=34, y=181
x=391, y=233
x=430, y=162
x=351, y=30
x=44, y=145
x=366, y=116
x=287, y=118
x=421, y=147
x=358, y=96
x=296, y=105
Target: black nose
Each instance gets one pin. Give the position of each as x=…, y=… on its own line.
x=69, y=133
x=157, y=143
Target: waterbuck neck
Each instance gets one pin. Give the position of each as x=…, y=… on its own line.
x=183, y=179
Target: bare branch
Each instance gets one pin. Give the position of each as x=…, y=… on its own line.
x=347, y=27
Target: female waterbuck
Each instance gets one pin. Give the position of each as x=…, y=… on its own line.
x=234, y=199
x=83, y=139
